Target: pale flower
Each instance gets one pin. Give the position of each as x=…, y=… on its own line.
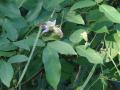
x=84, y=36
x=51, y=25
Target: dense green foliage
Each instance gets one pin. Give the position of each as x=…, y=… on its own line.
x=59, y=44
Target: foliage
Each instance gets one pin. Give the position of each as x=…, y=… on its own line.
x=59, y=44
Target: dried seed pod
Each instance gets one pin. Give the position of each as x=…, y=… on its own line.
x=58, y=31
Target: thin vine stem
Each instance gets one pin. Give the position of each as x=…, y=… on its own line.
x=19, y=87
x=29, y=59
x=114, y=64
x=94, y=83
x=88, y=78
x=93, y=39
x=77, y=75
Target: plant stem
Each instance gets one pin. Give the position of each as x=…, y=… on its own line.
x=93, y=83
x=19, y=87
x=114, y=64
x=88, y=78
x=77, y=74
x=29, y=59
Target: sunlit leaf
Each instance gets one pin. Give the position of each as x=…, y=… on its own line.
x=83, y=4
x=110, y=12
x=92, y=56
x=75, y=37
x=75, y=18
x=62, y=47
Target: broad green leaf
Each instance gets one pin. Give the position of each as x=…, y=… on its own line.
x=17, y=59
x=21, y=44
x=75, y=18
x=29, y=4
x=62, y=47
x=33, y=14
x=7, y=54
x=94, y=15
x=52, y=66
x=98, y=1
x=102, y=23
x=75, y=37
x=110, y=12
x=6, y=73
x=52, y=4
x=10, y=10
x=102, y=30
x=19, y=24
x=92, y=56
x=83, y=4
x=6, y=45
x=43, y=17
x=27, y=43
x=11, y=31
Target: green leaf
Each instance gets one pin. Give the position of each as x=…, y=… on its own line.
x=94, y=15
x=29, y=4
x=102, y=30
x=11, y=31
x=52, y=66
x=10, y=10
x=7, y=54
x=27, y=43
x=110, y=12
x=44, y=16
x=103, y=23
x=98, y=1
x=92, y=56
x=20, y=24
x=17, y=59
x=6, y=45
x=33, y=14
x=83, y=4
x=75, y=37
x=72, y=17
x=6, y=73
x=52, y=4
x=62, y=47
x=21, y=44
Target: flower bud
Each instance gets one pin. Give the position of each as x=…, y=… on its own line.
x=84, y=36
